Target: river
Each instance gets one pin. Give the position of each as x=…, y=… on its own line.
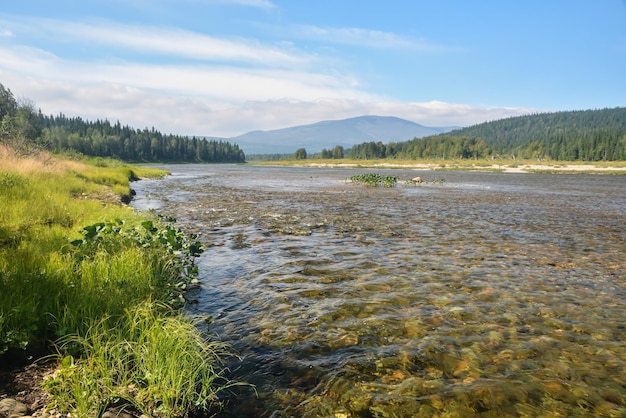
x=470, y=294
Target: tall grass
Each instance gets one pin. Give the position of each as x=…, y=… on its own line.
x=155, y=363
x=78, y=267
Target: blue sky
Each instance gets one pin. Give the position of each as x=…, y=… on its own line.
x=225, y=67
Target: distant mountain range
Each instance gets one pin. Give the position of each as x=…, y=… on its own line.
x=330, y=133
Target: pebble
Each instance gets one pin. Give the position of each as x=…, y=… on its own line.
x=12, y=408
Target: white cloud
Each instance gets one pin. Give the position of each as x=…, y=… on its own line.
x=228, y=84
x=366, y=38
x=263, y=4
x=151, y=4
x=284, y=113
x=25, y=60
x=278, y=87
x=205, y=116
x=180, y=43
x=164, y=41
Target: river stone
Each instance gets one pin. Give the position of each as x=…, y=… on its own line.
x=12, y=408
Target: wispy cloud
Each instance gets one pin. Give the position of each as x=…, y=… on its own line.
x=210, y=116
x=367, y=38
x=223, y=83
x=264, y=4
x=176, y=42
x=191, y=83
x=171, y=42
x=147, y=4
x=276, y=114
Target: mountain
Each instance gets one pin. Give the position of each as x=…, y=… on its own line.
x=330, y=133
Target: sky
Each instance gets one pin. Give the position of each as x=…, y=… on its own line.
x=226, y=67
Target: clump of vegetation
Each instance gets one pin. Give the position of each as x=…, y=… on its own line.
x=78, y=267
x=374, y=179
x=300, y=154
x=150, y=360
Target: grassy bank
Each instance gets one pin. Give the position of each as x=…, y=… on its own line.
x=80, y=269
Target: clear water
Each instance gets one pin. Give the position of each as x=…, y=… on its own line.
x=473, y=294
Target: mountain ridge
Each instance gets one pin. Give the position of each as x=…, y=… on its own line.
x=327, y=134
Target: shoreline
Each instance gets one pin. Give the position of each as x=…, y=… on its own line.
x=503, y=168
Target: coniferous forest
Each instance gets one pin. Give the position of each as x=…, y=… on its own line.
x=103, y=139
x=590, y=135
x=22, y=123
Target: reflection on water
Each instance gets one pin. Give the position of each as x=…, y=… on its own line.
x=473, y=294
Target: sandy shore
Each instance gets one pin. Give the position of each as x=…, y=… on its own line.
x=513, y=168
x=570, y=167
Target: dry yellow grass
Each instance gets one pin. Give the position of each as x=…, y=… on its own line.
x=40, y=162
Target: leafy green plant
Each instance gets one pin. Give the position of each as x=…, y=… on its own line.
x=374, y=179
x=10, y=338
x=172, y=239
x=164, y=237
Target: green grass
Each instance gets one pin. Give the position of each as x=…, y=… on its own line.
x=79, y=268
x=152, y=362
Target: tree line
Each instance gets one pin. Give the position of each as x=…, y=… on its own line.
x=590, y=135
x=23, y=126
x=103, y=139
x=434, y=147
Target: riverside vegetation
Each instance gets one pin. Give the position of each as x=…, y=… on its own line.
x=104, y=284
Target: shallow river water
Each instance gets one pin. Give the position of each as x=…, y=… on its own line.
x=471, y=294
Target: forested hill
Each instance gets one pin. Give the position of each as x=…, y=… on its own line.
x=21, y=126
x=589, y=135
x=103, y=139
x=586, y=134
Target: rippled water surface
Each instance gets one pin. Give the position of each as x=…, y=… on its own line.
x=472, y=294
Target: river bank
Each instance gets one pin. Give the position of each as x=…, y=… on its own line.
x=558, y=167
x=96, y=289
